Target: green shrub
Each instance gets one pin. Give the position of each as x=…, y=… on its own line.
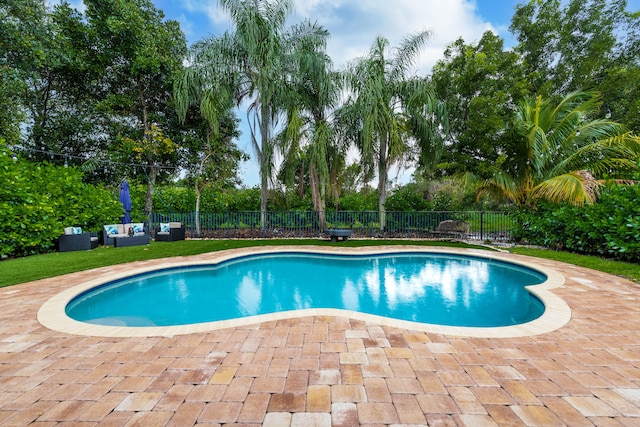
x=408, y=198
x=609, y=228
x=364, y=200
x=37, y=200
x=242, y=200
x=168, y=199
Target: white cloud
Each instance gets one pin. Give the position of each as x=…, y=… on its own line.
x=354, y=25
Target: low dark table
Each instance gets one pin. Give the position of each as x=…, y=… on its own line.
x=334, y=233
x=121, y=242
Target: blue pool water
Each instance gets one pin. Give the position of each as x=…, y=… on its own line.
x=439, y=289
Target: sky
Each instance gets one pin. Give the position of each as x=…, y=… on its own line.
x=354, y=24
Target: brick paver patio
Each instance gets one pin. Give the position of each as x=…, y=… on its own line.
x=327, y=371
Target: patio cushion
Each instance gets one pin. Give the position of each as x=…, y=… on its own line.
x=111, y=229
x=138, y=227
x=164, y=227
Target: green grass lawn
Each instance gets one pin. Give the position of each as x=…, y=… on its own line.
x=21, y=270
x=36, y=267
x=627, y=270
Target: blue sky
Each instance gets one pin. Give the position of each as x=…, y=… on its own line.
x=353, y=25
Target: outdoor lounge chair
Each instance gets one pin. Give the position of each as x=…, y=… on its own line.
x=74, y=239
x=170, y=232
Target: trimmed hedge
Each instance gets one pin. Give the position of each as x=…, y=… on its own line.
x=608, y=228
x=37, y=200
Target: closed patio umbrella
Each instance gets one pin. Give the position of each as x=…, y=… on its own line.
x=125, y=199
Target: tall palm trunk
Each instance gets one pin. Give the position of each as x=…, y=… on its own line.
x=264, y=156
x=382, y=183
x=316, y=197
x=198, y=190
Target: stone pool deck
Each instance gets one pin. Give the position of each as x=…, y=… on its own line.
x=326, y=370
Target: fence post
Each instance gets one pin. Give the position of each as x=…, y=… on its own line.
x=481, y=225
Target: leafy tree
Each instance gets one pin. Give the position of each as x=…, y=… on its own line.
x=50, y=72
x=480, y=84
x=210, y=156
x=621, y=95
x=562, y=151
x=151, y=149
x=40, y=77
x=569, y=46
x=621, y=85
x=23, y=34
x=140, y=54
x=388, y=107
x=351, y=179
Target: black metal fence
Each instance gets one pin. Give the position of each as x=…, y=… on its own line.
x=492, y=226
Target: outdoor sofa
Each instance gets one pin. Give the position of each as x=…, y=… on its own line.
x=121, y=235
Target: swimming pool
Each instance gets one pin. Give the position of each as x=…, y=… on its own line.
x=428, y=288
x=370, y=284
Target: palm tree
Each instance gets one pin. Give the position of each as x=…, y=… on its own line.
x=250, y=64
x=309, y=138
x=562, y=152
x=388, y=108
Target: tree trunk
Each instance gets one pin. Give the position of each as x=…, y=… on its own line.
x=151, y=182
x=265, y=159
x=301, y=180
x=382, y=183
x=316, y=196
x=198, y=196
x=153, y=170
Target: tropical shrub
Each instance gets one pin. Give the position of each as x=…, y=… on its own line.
x=561, y=151
x=364, y=200
x=407, y=198
x=183, y=199
x=609, y=228
x=37, y=200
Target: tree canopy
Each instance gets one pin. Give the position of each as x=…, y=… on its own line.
x=107, y=89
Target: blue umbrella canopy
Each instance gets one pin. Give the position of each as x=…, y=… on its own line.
x=125, y=199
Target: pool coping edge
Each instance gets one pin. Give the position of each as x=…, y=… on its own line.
x=557, y=312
